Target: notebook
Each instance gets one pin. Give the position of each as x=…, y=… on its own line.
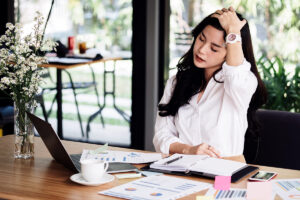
x=201, y=165
x=59, y=153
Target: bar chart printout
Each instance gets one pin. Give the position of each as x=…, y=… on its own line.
x=233, y=194
x=287, y=188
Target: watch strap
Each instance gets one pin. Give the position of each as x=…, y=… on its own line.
x=233, y=38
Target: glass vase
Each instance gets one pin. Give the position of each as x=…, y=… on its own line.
x=24, y=132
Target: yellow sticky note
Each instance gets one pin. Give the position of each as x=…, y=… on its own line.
x=128, y=175
x=205, y=198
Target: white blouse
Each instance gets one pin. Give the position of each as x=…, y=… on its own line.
x=220, y=117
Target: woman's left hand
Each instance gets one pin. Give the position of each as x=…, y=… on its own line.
x=229, y=20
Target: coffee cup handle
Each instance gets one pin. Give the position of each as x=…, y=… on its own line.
x=106, y=166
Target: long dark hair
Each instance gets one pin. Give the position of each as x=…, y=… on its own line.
x=190, y=79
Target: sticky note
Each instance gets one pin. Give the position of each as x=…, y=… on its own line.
x=259, y=191
x=129, y=175
x=222, y=182
x=205, y=198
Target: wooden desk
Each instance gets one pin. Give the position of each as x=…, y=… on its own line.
x=59, y=68
x=43, y=178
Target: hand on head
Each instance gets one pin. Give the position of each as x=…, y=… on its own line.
x=229, y=20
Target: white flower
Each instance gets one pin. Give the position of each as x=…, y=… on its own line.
x=18, y=26
x=2, y=87
x=10, y=26
x=5, y=80
x=3, y=38
x=19, y=61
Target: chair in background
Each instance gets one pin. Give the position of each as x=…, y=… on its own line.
x=40, y=100
x=6, y=114
x=279, y=141
x=106, y=92
x=74, y=86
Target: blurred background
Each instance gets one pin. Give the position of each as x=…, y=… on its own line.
x=125, y=27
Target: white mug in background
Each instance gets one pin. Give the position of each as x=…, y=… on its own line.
x=93, y=170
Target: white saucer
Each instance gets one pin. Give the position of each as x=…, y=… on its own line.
x=77, y=178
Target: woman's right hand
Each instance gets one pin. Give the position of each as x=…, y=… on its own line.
x=202, y=149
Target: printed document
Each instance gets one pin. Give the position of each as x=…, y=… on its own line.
x=121, y=156
x=287, y=188
x=233, y=193
x=156, y=187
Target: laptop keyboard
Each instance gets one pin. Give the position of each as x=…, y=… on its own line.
x=76, y=160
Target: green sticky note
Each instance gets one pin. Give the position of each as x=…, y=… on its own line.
x=100, y=149
x=205, y=198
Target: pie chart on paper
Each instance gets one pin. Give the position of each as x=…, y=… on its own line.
x=294, y=196
x=156, y=194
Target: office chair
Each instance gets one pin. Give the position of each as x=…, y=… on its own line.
x=6, y=114
x=279, y=142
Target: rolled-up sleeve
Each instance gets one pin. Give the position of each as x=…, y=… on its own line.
x=240, y=84
x=165, y=130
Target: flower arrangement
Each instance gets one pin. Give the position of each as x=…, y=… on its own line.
x=20, y=58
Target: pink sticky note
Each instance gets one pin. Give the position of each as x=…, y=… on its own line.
x=222, y=182
x=259, y=191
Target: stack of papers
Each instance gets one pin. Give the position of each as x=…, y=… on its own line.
x=121, y=156
x=156, y=187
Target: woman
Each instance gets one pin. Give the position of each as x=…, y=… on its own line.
x=207, y=107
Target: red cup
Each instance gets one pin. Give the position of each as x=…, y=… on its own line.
x=71, y=43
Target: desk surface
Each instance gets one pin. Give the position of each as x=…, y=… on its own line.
x=43, y=178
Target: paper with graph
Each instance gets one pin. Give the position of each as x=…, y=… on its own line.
x=287, y=188
x=156, y=188
x=233, y=194
x=121, y=156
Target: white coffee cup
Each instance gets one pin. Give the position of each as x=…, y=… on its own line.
x=93, y=170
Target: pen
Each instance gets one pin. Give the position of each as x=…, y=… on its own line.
x=173, y=160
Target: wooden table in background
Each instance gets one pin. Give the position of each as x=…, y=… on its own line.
x=44, y=178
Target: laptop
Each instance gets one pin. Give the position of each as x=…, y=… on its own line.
x=59, y=153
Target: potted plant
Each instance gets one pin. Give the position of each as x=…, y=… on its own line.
x=20, y=58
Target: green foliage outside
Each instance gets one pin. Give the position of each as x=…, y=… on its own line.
x=109, y=20
x=282, y=86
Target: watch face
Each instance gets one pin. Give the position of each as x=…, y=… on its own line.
x=231, y=37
